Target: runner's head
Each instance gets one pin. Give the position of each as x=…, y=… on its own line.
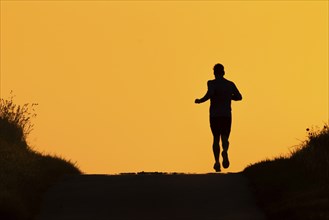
x=219, y=70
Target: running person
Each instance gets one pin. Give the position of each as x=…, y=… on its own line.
x=220, y=92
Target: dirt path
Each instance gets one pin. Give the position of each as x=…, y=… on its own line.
x=151, y=196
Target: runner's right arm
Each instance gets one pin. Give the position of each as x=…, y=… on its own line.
x=207, y=95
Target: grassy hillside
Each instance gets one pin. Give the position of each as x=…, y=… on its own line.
x=24, y=174
x=297, y=186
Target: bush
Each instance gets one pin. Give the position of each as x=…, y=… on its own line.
x=295, y=187
x=313, y=155
x=25, y=175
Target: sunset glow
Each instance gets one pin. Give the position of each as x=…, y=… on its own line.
x=116, y=81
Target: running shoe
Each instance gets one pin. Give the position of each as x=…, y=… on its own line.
x=217, y=167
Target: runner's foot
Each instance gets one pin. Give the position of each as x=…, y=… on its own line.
x=217, y=167
x=226, y=162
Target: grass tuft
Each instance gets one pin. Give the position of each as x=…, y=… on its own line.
x=15, y=120
x=296, y=186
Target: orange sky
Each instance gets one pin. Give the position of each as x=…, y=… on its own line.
x=116, y=81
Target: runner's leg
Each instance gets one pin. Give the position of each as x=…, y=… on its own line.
x=214, y=125
x=225, y=130
x=215, y=148
x=225, y=142
x=225, y=134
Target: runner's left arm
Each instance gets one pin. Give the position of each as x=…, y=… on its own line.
x=236, y=95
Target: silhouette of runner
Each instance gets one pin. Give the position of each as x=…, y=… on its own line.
x=220, y=92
